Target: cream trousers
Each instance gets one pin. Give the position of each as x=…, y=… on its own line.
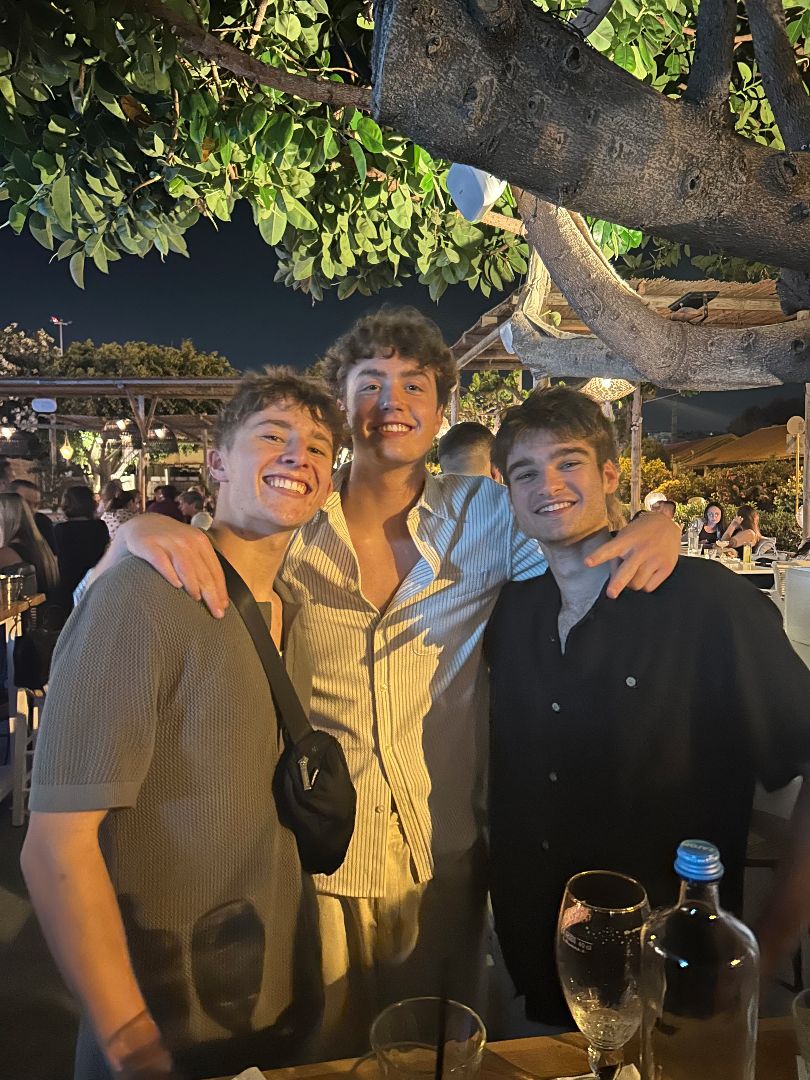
x=418, y=939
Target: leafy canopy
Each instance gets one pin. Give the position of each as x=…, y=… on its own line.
x=115, y=140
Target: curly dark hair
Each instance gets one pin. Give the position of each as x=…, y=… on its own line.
x=390, y=330
x=259, y=389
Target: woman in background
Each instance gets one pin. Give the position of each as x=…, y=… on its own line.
x=713, y=525
x=22, y=542
x=122, y=508
x=744, y=528
x=81, y=540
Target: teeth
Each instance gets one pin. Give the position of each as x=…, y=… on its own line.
x=286, y=484
x=553, y=506
x=393, y=427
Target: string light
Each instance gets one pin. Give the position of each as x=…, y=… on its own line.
x=602, y=390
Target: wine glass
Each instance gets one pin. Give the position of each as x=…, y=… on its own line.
x=722, y=545
x=598, y=960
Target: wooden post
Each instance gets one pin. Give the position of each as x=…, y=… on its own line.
x=806, y=466
x=205, y=459
x=455, y=398
x=635, y=452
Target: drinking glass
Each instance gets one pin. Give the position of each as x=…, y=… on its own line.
x=426, y=1038
x=598, y=961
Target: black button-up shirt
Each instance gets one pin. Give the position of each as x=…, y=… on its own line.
x=651, y=728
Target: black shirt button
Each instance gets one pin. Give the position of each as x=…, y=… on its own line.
x=552, y=777
x=545, y=845
x=555, y=707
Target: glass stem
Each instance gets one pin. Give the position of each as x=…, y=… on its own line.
x=605, y=1064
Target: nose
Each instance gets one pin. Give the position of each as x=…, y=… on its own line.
x=391, y=397
x=293, y=452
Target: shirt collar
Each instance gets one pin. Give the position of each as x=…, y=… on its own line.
x=432, y=498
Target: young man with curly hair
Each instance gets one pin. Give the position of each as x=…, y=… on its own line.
x=397, y=576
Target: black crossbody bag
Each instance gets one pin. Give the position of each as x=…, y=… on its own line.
x=314, y=793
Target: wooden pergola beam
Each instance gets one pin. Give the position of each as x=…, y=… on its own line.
x=215, y=389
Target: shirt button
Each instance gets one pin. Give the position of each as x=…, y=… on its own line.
x=378, y=809
x=545, y=845
x=555, y=706
x=552, y=777
x=630, y=680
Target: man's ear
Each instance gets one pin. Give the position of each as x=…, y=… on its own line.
x=610, y=477
x=217, y=468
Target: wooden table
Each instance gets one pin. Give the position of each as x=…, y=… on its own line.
x=13, y=777
x=552, y=1057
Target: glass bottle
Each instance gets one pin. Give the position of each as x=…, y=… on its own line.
x=699, y=981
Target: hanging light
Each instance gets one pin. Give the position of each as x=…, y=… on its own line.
x=602, y=390
x=66, y=450
x=6, y=432
x=121, y=424
x=161, y=432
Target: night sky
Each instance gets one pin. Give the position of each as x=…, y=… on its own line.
x=224, y=299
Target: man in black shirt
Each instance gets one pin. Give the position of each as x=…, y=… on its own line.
x=621, y=727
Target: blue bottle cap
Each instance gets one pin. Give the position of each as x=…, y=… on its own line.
x=698, y=860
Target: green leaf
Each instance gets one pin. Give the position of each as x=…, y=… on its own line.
x=60, y=201
x=370, y=135
x=272, y=226
x=297, y=214
x=40, y=229
x=100, y=258
x=7, y=90
x=77, y=268
x=16, y=218
x=279, y=131
x=359, y=159
x=331, y=147
x=302, y=269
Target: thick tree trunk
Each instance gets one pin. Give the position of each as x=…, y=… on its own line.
x=502, y=86
x=672, y=354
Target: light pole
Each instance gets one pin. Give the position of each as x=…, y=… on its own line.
x=60, y=323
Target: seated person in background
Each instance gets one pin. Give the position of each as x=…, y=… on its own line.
x=22, y=542
x=744, y=529
x=165, y=502
x=665, y=507
x=122, y=507
x=465, y=450
x=32, y=495
x=190, y=503
x=6, y=474
x=111, y=490
x=81, y=540
x=621, y=727
x=713, y=525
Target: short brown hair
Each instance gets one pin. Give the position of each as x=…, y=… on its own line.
x=390, y=330
x=259, y=389
x=562, y=411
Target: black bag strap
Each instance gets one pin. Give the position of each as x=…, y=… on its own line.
x=290, y=710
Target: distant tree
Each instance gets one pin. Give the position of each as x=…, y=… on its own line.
x=488, y=394
x=757, y=416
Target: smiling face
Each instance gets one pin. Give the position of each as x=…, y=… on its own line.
x=557, y=487
x=275, y=471
x=393, y=410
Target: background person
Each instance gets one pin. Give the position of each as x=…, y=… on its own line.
x=666, y=507
x=81, y=540
x=111, y=490
x=743, y=528
x=190, y=503
x=6, y=474
x=466, y=450
x=121, y=508
x=165, y=502
x=22, y=542
x=32, y=495
x=714, y=525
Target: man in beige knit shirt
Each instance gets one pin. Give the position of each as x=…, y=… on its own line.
x=171, y=897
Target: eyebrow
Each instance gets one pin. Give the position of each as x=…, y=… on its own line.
x=379, y=373
x=319, y=436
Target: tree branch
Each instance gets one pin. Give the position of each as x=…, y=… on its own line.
x=257, y=24
x=533, y=103
x=781, y=77
x=671, y=354
x=240, y=64
x=710, y=76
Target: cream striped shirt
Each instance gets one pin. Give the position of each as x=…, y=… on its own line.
x=406, y=692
